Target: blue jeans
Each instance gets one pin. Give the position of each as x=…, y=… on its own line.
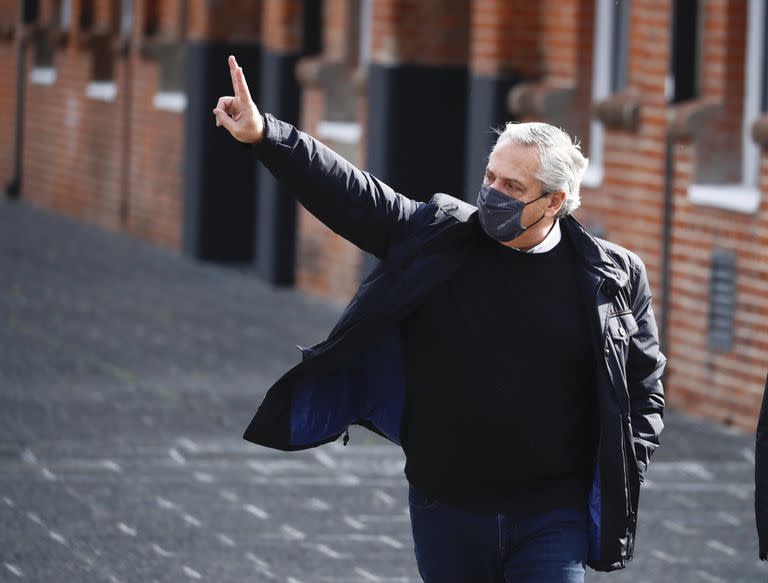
x=454, y=545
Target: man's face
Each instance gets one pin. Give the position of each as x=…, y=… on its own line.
x=512, y=170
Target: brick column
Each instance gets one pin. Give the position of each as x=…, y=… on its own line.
x=333, y=90
x=418, y=95
x=283, y=26
x=503, y=52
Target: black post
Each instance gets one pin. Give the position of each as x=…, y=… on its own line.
x=274, y=243
x=218, y=171
x=669, y=169
x=275, y=239
x=487, y=111
x=417, y=127
x=28, y=14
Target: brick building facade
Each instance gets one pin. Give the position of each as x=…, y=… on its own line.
x=668, y=98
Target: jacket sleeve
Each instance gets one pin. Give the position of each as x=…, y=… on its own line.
x=352, y=203
x=761, y=476
x=645, y=367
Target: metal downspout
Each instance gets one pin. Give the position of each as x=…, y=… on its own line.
x=125, y=189
x=669, y=169
x=13, y=188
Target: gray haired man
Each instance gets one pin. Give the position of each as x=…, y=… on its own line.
x=511, y=354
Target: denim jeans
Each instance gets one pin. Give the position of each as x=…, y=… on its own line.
x=454, y=545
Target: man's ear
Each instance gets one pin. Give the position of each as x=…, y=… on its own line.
x=556, y=200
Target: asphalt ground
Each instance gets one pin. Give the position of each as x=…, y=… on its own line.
x=127, y=376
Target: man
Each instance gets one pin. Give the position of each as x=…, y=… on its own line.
x=761, y=477
x=512, y=355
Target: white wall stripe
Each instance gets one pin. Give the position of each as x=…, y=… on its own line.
x=162, y=552
x=256, y=511
x=14, y=569
x=124, y=528
x=191, y=573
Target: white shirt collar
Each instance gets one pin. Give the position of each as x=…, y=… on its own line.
x=550, y=241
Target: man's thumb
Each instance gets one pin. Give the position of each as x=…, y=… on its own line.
x=223, y=119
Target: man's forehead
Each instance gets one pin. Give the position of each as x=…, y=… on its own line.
x=514, y=161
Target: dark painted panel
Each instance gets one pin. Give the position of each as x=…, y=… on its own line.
x=487, y=111
x=312, y=27
x=417, y=128
x=275, y=240
x=218, y=171
x=29, y=11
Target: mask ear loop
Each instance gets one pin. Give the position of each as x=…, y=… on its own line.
x=541, y=217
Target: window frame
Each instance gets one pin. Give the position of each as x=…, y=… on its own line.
x=744, y=196
x=610, y=59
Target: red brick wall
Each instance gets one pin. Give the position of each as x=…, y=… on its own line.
x=327, y=265
x=74, y=145
x=74, y=148
x=506, y=35
x=630, y=201
x=722, y=385
x=426, y=32
x=281, y=28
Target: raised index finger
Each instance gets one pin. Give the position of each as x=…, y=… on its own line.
x=238, y=80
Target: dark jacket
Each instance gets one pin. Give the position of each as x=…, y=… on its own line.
x=356, y=375
x=761, y=476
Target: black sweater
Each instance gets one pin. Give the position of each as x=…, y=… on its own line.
x=500, y=370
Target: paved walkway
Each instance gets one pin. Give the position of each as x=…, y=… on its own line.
x=127, y=376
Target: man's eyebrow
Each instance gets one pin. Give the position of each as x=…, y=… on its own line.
x=506, y=179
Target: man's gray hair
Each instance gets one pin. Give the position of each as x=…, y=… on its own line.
x=561, y=163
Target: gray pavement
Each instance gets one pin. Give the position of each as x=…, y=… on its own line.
x=127, y=376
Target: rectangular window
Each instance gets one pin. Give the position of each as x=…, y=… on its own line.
x=170, y=60
x=682, y=84
x=65, y=14
x=743, y=196
x=102, y=58
x=619, y=45
x=86, y=14
x=151, y=18
x=126, y=18
x=312, y=27
x=30, y=11
x=43, y=48
x=610, y=57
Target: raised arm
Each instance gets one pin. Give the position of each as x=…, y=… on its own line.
x=352, y=203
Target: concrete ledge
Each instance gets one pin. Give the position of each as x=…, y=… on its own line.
x=733, y=197
x=534, y=99
x=42, y=76
x=620, y=111
x=760, y=131
x=340, y=131
x=102, y=90
x=173, y=101
x=686, y=119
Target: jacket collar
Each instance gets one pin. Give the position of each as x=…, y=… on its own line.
x=593, y=252
x=590, y=249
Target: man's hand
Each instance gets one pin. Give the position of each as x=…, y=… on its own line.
x=239, y=114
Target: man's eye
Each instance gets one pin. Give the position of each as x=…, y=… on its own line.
x=512, y=186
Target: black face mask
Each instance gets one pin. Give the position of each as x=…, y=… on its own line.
x=500, y=214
